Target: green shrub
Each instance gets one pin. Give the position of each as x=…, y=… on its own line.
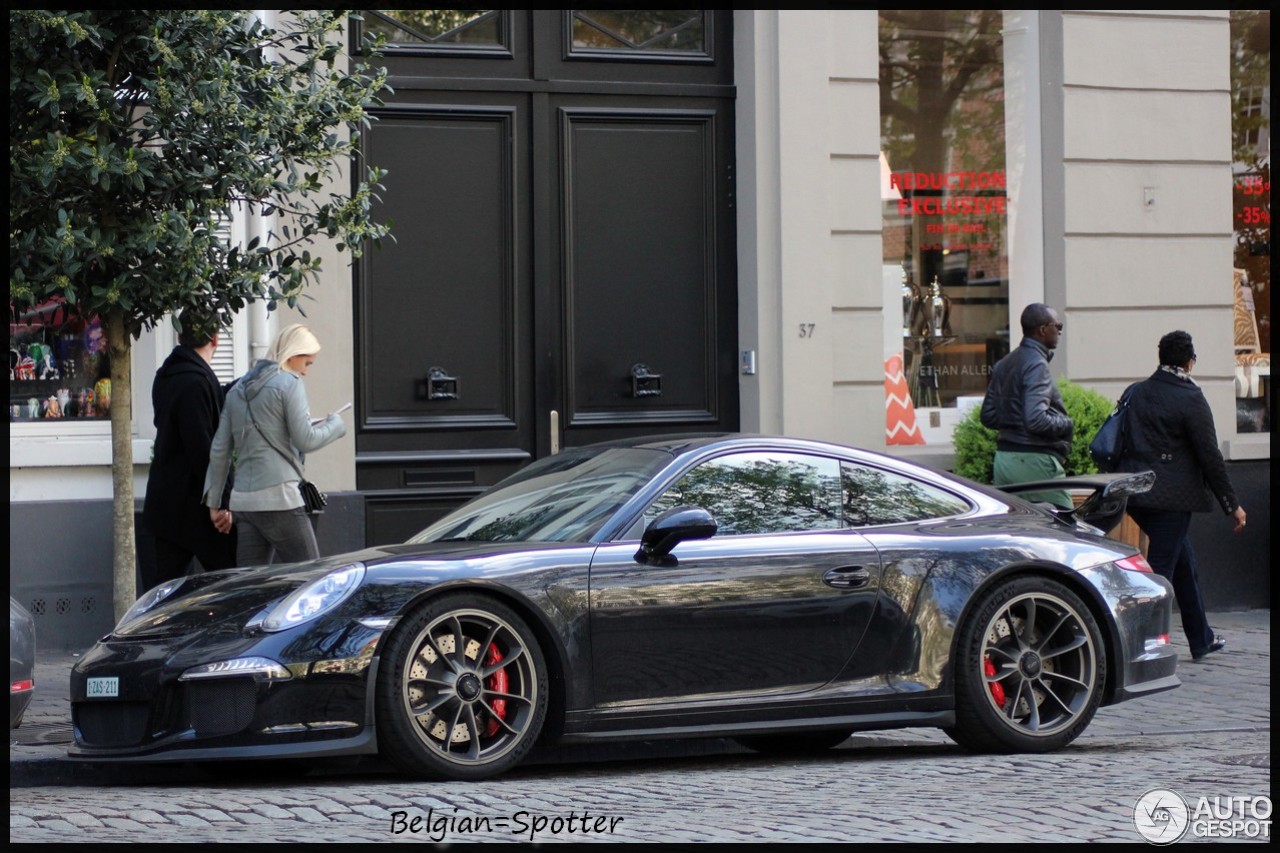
x=976, y=445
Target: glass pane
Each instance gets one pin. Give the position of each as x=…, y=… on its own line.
x=872, y=496
x=1251, y=277
x=760, y=493
x=435, y=27
x=944, y=198
x=561, y=498
x=59, y=366
x=679, y=30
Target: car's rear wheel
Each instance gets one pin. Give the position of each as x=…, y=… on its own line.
x=794, y=743
x=1030, y=669
x=462, y=690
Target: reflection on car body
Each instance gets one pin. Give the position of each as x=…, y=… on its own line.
x=22, y=661
x=781, y=592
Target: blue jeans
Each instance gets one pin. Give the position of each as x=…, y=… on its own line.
x=1171, y=555
x=286, y=533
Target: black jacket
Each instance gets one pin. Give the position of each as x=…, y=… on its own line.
x=1024, y=406
x=1170, y=431
x=188, y=402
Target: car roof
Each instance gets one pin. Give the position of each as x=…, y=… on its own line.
x=680, y=443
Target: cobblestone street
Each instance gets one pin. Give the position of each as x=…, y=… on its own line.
x=1208, y=738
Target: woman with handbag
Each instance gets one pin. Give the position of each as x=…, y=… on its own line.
x=266, y=427
x=1170, y=431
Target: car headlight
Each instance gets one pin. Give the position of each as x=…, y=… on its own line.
x=149, y=600
x=315, y=598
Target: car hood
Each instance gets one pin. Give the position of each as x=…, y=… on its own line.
x=223, y=602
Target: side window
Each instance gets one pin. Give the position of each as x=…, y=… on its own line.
x=872, y=496
x=760, y=493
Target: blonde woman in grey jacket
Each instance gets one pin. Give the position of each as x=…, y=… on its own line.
x=265, y=416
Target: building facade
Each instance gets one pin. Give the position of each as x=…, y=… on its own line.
x=616, y=223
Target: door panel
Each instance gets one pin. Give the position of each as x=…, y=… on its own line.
x=447, y=293
x=640, y=277
x=739, y=615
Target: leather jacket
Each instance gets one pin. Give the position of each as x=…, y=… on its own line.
x=1024, y=406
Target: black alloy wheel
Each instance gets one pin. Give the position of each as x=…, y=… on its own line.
x=1029, y=670
x=462, y=690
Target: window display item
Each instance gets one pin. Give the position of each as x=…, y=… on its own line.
x=58, y=365
x=102, y=396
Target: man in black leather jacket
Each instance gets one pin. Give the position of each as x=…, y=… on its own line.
x=1024, y=406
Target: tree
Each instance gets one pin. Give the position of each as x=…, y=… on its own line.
x=133, y=134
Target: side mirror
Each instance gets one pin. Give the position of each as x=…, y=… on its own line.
x=673, y=527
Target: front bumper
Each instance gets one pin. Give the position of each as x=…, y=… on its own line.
x=322, y=707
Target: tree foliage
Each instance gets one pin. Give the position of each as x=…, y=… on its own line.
x=134, y=134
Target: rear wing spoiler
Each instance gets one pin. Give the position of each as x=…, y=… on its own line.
x=1108, y=495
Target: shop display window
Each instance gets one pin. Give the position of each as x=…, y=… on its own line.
x=945, y=198
x=59, y=366
x=1251, y=168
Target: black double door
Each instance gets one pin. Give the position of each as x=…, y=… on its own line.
x=563, y=264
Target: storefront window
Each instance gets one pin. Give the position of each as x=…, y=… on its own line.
x=59, y=366
x=1251, y=277
x=945, y=198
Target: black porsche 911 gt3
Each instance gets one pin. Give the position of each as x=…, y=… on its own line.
x=781, y=592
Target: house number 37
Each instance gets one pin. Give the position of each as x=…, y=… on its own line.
x=806, y=330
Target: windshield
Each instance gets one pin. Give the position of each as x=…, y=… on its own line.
x=562, y=498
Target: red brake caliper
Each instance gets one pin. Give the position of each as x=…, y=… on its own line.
x=997, y=689
x=497, y=683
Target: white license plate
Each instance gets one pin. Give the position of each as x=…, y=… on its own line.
x=99, y=688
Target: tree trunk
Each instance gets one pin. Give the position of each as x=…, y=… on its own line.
x=124, y=554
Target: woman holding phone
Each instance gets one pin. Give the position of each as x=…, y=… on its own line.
x=266, y=428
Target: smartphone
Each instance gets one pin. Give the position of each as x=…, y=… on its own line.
x=337, y=411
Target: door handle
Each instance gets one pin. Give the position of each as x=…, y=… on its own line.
x=847, y=577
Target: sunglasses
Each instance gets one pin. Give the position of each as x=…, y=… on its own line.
x=1057, y=326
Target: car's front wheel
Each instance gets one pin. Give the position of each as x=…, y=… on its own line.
x=1030, y=669
x=462, y=690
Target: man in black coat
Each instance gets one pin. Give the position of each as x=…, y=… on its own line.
x=187, y=398
x=1024, y=406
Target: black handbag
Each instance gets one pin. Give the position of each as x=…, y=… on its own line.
x=313, y=500
x=1108, y=445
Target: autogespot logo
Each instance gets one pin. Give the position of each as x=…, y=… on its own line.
x=1161, y=816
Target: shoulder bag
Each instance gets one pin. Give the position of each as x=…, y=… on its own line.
x=1108, y=445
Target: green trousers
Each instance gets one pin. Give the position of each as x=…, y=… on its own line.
x=1012, y=467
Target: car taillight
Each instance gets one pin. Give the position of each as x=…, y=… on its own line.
x=1136, y=563
x=21, y=686
x=1156, y=643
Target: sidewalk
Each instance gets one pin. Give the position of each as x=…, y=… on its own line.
x=1229, y=691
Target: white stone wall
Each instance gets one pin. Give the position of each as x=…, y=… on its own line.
x=809, y=228
x=1146, y=145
